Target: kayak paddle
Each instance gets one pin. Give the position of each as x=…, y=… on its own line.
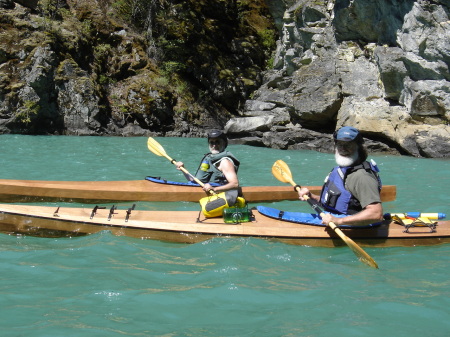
x=157, y=149
x=282, y=172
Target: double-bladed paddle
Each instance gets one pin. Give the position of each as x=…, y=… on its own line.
x=282, y=172
x=157, y=149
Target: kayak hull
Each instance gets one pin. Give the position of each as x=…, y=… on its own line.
x=137, y=190
x=191, y=227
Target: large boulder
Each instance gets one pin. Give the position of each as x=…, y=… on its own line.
x=77, y=100
x=399, y=129
x=381, y=66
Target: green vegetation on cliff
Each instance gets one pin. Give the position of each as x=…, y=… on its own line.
x=155, y=64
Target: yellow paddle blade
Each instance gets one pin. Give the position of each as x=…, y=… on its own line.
x=155, y=147
x=357, y=250
x=363, y=256
x=282, y=172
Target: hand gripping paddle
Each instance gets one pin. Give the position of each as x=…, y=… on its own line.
x=157, y=149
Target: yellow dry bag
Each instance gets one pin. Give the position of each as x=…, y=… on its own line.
x=213, y=206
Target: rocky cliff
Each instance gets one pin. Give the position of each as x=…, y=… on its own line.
x=129, y=67
x=276, y=73
x=381, y=66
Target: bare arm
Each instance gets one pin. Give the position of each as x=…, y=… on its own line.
x=371, y=214
x=179, y=165
x=228, y=170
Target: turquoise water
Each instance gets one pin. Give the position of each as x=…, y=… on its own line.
x=102, y=285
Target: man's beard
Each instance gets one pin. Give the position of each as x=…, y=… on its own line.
x=345, y=161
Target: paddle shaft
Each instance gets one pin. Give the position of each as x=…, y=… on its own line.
x=363, y=256
x=157, y=149
x=315, y=206
x=282, y=172
x=198, y=181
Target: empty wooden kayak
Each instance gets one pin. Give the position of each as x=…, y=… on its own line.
x=190, y=227
x=138, y=190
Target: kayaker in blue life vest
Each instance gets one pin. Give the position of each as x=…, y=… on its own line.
x=353, y=187
x=217, y=166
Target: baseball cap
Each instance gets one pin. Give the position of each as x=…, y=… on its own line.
x=347, y=133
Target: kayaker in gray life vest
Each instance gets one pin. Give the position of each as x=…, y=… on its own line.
x=218, y=166
x=352, y=189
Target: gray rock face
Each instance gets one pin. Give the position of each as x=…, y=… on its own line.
x=381, y=66
x=77, y=100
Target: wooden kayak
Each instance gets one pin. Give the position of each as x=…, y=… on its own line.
x=191, y=227
x=138, y=190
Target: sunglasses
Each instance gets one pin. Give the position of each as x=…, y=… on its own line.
x=215, y=142
x=345, y=145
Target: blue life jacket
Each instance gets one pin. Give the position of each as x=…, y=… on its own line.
x=335, y=197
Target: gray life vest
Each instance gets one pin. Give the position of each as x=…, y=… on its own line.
x=208, y=171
